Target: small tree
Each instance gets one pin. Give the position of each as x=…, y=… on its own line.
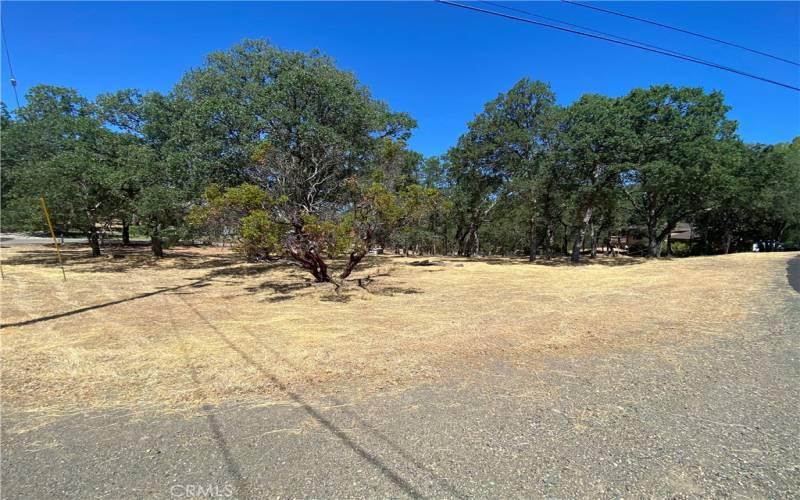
x=241, y=212
x=262, y=229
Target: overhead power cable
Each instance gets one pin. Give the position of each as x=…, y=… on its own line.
x=586, y=28
x=622, y=42
x=10, y=68
x=681, y=30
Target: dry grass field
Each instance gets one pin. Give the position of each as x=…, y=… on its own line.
x=201, y=327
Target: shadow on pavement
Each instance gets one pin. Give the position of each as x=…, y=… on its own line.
x=395, y=478
x=793, y=273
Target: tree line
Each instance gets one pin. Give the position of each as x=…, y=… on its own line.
x=286, y=156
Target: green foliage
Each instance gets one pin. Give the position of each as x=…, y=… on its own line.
x=257, y=112
x=260, y=235
x=58, y=148
x=679, y=249
x=241, y=214
x=504, y=152
x=330, y=238
x=283, y=154
x=679, y=137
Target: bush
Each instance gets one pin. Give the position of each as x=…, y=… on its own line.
x=680, y=249
x=259, y=236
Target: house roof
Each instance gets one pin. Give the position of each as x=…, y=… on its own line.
x=682, y=231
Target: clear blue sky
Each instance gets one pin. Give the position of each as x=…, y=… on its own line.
x=439, y=63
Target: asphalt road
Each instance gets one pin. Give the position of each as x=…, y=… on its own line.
x=793, y=273
x=18, y=239
x=711, y=419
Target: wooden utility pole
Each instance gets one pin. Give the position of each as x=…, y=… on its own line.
x=53, y=234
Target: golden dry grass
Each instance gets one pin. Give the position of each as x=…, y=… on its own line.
x=220, y=330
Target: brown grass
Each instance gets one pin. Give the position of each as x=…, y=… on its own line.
x=220, y=330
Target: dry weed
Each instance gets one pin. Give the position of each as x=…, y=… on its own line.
x=200, y=327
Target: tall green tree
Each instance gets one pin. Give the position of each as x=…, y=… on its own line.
x=679, y=133
x=308, y=134
x=59, y=149
x=159, y=182
x=595, y=142
x=509, y=137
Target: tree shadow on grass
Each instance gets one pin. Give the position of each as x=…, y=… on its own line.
x=195, y=284
x=391, y=291
x=341, y=298
x=559, y=261
x=218, y=267
x=279, y=288
x=241, y=269
x=342, y=292
x=122, y=259
x=76, y=260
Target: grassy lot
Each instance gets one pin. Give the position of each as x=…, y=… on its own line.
x=201, y=327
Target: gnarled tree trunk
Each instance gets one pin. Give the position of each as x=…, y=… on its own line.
x=311, y=261
x=157, y=245
x=126, y=233
x=534, y=240
x=352, y=262
x=580, y=235
x=549, y=242
x=94, y=241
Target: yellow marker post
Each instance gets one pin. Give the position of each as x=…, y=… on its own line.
x=53, y=234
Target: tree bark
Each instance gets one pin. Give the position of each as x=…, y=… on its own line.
x=459, y=240
x=94, y=242
x=549, y=242
x=580, y=235
x=655, y=239
x=352, y=262
x=465, y=246
x=313, y=263
x=593, y=233
x=126, y=233
x=728, y=238
x=157, y=246
x=651, y=239
x=320, y=268
x=534, y=240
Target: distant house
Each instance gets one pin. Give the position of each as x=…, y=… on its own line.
x=636, y=236
x=683, y=232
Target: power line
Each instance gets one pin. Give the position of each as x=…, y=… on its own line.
x=621, y=42
x=586, y=28
x=10, y=68
x=681, y=30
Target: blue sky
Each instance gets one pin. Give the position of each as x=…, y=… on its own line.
x=439, y=63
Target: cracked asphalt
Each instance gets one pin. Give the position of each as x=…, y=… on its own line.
x=704, y=419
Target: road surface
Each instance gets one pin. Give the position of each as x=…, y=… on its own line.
x=18, y=239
